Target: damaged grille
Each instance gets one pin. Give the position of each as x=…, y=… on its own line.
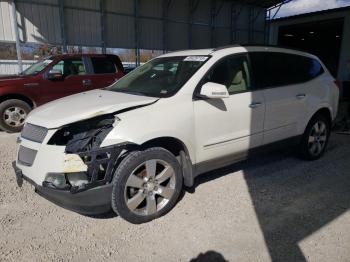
x=26, y=156
x=34, y=133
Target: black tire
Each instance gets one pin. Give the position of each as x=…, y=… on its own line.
x=305, y=148
x=125, y=170
x=10, y=104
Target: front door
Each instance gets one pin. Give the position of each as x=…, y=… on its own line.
x=73, y=81
x=233, y=125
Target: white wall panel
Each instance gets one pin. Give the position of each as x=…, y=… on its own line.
x=6, y=26
x=38, y=23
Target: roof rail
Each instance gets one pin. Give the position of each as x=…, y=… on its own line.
x=277, y=46
x=258, y=45
x=225, y=46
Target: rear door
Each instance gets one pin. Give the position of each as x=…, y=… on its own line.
x=74, y=72
x=105, y=71
x=283, y=78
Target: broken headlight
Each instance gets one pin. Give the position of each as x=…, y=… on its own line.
x=84, y=135
x=56, y=180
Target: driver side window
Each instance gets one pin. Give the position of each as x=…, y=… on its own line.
x=233, y=72
x=73, y=66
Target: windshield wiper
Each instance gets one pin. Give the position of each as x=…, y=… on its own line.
x=130, y=92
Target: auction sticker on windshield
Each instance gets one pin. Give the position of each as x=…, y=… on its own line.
x=196, y=58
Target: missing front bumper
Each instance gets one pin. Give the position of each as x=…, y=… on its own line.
x=92, y=201
x=101, y=164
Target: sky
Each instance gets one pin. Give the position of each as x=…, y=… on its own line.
x=305, y=6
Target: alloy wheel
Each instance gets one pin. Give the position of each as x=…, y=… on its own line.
x=149, y=187
x=317, y=138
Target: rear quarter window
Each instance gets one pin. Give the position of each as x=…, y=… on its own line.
x=273, y=69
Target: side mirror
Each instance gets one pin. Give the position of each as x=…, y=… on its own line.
x=214, y=90
x=55, y=75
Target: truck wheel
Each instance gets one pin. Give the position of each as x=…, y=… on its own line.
x=13, y=112
x=315, y=138
x=146, y=185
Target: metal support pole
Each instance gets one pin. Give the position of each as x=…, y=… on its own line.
x=268, y=26
x=136, y=28
x=231, y=23
x=235, y=13
x=252, y=26
x=63, y=26
x=166, y=5
x=212, y=22
x=189, y=35
x=192, y=8
x=266, y=37
x=103, y=25
x=250, y=10
x=15, y=29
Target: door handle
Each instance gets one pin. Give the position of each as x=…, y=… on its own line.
x=300, y=96
x=86, y=82
x=255, y=104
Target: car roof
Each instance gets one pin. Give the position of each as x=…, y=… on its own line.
x=79, y=55
x=224, y=50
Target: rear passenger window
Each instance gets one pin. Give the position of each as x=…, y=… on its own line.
x=103, y=65
x=274, y=69
x=313, y=67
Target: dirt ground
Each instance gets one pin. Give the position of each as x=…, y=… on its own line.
x=273, y=207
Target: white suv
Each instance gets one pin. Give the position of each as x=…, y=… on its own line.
x=132, y=146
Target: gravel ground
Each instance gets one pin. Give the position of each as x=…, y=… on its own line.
x=274, y=207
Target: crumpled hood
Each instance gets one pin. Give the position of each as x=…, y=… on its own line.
x=84, y=106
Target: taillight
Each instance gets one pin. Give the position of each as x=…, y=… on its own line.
x=337, y=83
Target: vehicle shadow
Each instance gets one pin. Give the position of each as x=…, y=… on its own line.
x=293, y=198
x=209, y=256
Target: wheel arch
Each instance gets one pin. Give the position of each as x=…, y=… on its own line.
x=325, y=111
x=172, y=144
x=23, y=98
x=179, y=150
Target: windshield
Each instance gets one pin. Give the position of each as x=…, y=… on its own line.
x=161, y=77
x=37, y=67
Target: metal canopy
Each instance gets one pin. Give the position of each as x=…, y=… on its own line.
x=260, y=3
x=136, y=24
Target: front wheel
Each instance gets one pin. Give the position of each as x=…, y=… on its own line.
x=146, y=185
x=13, y=112
x=315, y=138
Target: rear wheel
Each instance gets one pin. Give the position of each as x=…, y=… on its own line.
x=315, y=138
x=13, y=112
x=146, y=185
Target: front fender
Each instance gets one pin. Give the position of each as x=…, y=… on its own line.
x=113, y=140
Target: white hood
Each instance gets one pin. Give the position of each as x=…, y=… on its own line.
x=84, y=106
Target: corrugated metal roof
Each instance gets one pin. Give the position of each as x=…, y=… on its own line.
x=261, y=3
x=180, y=28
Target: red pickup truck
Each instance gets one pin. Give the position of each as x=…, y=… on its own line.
x=52, y=78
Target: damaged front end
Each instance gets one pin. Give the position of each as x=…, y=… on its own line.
x=86, y=164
